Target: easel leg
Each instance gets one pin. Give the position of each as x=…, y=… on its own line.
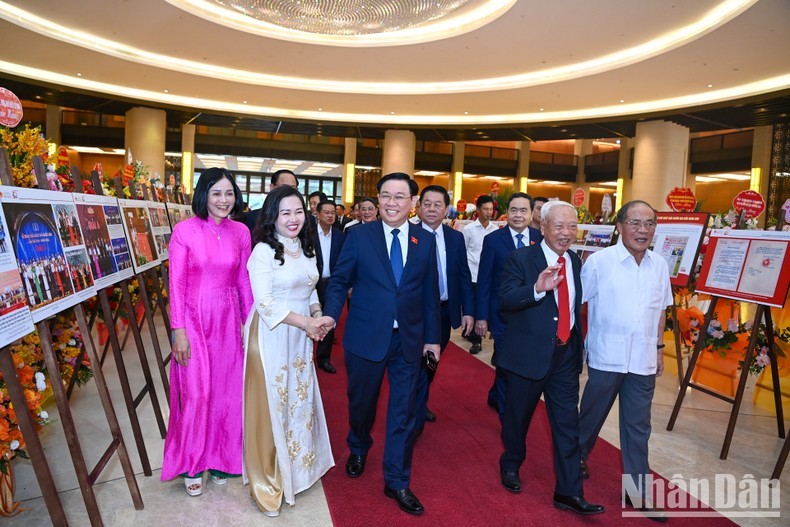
x=149, y=382
x=736, y=405
x=68, y=425
x=109, y=411
x=769, y=334
x=33, y=444
x=125, y=388
x=678, y=349
x=692, y=363
x=780, y=462
x=154, y=338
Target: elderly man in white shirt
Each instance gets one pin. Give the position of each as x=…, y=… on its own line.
x=627, y=290
x=473, y=238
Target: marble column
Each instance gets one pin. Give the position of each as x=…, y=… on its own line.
x=145, y=136
x=624, y=176
x=399, y=152
x=660, y=160
x=455, y=183
x=52, y=126
x=349, y=171
x=582, y=148
x=188, y=157
x=522, y=168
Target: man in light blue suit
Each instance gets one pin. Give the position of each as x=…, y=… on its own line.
x=497, y=246
x=393, y=323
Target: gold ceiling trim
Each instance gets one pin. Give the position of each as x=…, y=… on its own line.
x=769, y=85
x=714, y=18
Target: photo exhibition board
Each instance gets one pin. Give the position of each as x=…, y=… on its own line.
x=50, y=250
x=178, y=213
x=160, y=224
x=105, y=239
x=747, y=265
x=140, y=233
x=678, y=240
x=15, y=319
x=592, y=238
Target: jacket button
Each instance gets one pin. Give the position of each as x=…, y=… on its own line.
x=555, y=318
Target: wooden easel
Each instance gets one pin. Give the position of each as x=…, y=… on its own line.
x=86, y=480
x=673, y=312
x=33, y=444
x=130, y=401
x=762, y=314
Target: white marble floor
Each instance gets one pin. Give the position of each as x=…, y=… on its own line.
x=691, y=451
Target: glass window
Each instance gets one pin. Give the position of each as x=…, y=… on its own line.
x=255, y=183
x=241, y=181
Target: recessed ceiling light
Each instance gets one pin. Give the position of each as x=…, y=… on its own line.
x=244, y=102
x=541, y=109
x=38, y=96
x=166, y=91
x=79, y=74
x=622, y=100
x=710, y=85
x=466, y=113
x=392, y=113
x=320, y=109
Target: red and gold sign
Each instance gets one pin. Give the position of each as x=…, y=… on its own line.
x=750, y=201
x=682, y=199
x=461, y=205
x=578, y=197
x=63, y=157
x=10, y=108
x=494, y=187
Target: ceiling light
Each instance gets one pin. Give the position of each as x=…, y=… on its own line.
x=541, y=109
x=707, y=179
x=428, y=173
x=166, y=91
x=79, y=74
x=733, y=177
x=622, y=100
x=244, y=102
x=710, y=85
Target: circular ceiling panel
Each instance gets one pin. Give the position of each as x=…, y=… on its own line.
x=352, y=23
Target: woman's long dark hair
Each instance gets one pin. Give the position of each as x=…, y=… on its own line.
x=266, y=233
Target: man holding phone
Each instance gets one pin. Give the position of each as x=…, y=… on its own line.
x=455, y=286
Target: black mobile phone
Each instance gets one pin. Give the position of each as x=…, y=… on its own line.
x=431, y=362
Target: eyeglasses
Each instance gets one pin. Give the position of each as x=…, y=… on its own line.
x=397, y=198
x=647, y=224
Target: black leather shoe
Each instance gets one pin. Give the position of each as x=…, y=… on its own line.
x=510, y=481
x=355, y=465
x=327, y=367
x=654, y=513
x=475, y=349
x=407, y=501
x=585, y=469
x=576, y=504
x=430, y=416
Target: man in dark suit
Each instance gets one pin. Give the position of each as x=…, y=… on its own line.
x=455, y=283
x=279, y=178
x=497, y=246
x=330, y=240
x=341, y=219
x=393, y=323
x=541, y=297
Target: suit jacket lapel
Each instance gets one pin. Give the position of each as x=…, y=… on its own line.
x=411, y=254
x=380, y=246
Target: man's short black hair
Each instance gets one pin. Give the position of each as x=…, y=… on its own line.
x=414, y=189
x=321, y=196
x=276, y=175
x=482, y=200
x=541, y=199
x=436, y=188
x=208, y=179
x=324, y=202
x=521, y=195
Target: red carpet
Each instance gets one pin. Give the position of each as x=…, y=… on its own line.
x=455, y=470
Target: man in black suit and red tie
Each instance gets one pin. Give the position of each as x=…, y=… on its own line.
x=329, y=241
x=541, y=297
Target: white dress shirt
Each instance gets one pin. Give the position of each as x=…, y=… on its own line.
x=514, y=235
x=442, y=253
x=473, y=236
x=326, y=248
x=552, y=258
x=625, y=303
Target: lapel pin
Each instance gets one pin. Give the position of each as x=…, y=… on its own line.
x=414, y=240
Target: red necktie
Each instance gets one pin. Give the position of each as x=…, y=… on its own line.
x=564, y=323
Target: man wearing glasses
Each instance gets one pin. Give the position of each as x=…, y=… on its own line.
x=626, y=287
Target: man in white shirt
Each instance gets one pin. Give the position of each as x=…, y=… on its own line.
x=627, y=290
x=473, y=238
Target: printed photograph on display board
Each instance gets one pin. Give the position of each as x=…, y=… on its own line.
x=178, y=213
x=161, y=228
x=103, y=237
x=45, y=240
x=678, y=239
x=747, y=265
x=592, y=238
x=140, y=234
x=15, y=320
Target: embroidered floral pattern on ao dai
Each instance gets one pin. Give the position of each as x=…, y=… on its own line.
x=301, y=438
